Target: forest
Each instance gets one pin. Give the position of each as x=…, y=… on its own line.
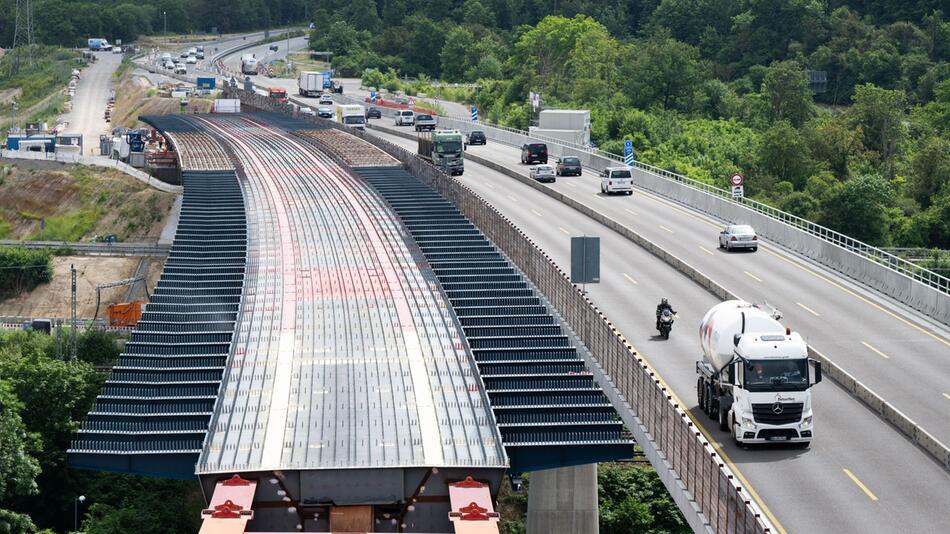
x=705, y=88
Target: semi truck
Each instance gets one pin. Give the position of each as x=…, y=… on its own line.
x=248, y=64
x=310, y=83
x=352, y=116
x=99, y=43
x=755, y=377
x=278, y=94
x=444, y=149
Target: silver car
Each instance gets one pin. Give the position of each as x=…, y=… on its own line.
x=738, y=236
x=542, y=173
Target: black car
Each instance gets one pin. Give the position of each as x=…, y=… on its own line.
x=477, y=137
x=274, y=47
x=534, y=153
x=373, y=112
x=568, y=166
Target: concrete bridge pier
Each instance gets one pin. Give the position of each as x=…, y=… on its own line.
x=563, y=500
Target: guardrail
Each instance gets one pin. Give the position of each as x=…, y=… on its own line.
x=704, y=487
x=94, y=249
x=920, y=288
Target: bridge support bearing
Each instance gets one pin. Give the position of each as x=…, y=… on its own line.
x=563, y=500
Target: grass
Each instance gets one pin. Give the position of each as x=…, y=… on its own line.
x=52, y=110
x=50, y=73
x=126, y=66
x=5, y=229
x=70, y=227
x=304, y=62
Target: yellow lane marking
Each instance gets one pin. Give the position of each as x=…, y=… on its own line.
x=859, y=297
x=631, y=212
x=811, y=272
x=752, y=276
x=947, y=395
x=563, y=230
x=513, y=198
x=706, y=250
x=627, y=276
x=809, y=310
x=860, y=484
x=536, y=212
x=667, y=229
x=879, y=353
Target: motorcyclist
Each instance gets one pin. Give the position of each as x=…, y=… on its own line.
x=663, y=305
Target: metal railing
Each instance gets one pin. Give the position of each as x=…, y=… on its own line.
x=689, y=465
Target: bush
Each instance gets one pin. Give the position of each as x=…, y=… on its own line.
x=23, y=269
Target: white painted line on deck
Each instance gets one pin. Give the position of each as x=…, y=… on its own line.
x=631, y=212
x=809, y=310
x=536, y=212
x=513, y=198
x=667, y=229
x=706, y=250
x=752, y=276
x=628, y=277
x=947, y=395
x=488, y=185
x=879, y=353
x=561, y=228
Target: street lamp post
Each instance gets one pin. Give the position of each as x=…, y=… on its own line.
x=165, y=20
x=79, y=500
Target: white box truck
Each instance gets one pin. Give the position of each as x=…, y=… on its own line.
x=310, y=83
x=352, y=116
x=755, y=377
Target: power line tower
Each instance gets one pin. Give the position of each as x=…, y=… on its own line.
x=22, y=35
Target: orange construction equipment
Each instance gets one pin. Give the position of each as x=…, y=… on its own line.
x=125, y=314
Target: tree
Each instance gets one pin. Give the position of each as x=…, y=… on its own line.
x=664, y=71
x=834, y=142
x=859, y=209
x=18, y=465
x=785, y=88
x=633, y=499
x=424, y=41
x=475, y=12
x=931, y=167
x=880, y=114
x=784, y=154
x=458, y=55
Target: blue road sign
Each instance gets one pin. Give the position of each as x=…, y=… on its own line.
x=628, y=152
x=372, y=96
x=474, y=114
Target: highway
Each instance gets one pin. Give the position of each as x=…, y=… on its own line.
x=860, y=475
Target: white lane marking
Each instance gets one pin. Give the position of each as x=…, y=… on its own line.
x=488, y=185
x=631, y=212
x=809, y=310
x=513, y=198
x=947, y=395
x=536, y=212
x=750, y=275
x=569, y=184
x=706, y=250
x=628, y=277
x=879, y=353
x=561, y=228
x=667, y=229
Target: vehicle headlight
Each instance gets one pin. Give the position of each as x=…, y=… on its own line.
x=806, y=421
x=748, y=422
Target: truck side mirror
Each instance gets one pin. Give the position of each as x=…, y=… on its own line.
x=816, y=373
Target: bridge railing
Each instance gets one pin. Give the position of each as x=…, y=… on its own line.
x=704, y=486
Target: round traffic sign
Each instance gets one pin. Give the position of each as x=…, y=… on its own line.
x=737, y=179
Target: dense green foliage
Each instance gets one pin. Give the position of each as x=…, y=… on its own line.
x=703, y=87
x=23, y=269
x=71, y=22
x=52, y=69
x=43, y=400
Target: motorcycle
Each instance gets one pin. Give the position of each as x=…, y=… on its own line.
x=665, y=323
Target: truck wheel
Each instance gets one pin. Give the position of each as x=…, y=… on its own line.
x=723, y=418
x=699, y=394
x=710, y=407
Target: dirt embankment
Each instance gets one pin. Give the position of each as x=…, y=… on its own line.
x=53, y=299
x=135, y=96
x=57, y=202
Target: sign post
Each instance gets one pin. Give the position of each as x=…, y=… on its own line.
x=738, y=191
x=628, y=153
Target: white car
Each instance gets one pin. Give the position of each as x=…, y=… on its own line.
x=308, y=111
x=542, y=173
x=616, y=180
x=326, y=100
x=170, y=65
x=192, y=60
x=405, y=117
x=180, y=69
x=738, y=236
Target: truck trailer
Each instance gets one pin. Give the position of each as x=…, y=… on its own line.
x=755, y=377
x=444, y=148
x=310, y=83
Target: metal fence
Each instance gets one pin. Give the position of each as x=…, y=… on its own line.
x=675, y=445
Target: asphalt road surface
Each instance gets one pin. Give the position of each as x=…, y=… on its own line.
x=860, y=475
x=89, y=104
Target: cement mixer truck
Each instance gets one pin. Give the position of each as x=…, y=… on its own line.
x=755, y=376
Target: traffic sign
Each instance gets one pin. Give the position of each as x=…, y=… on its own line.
x=474, y=114
x=737, y=191
x=737, y=179
x=412, y=103
x=628, y=152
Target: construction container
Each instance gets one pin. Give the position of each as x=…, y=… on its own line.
x=125, y=314
x=564, y=119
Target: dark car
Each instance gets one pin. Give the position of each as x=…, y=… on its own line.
x=534, y=153
x=568, y=166
x=477, y=137
x=373, y=112
x=274, y=47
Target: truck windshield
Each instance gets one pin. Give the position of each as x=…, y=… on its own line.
x=449, y=147
x=354, y=119
x=776, y=375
